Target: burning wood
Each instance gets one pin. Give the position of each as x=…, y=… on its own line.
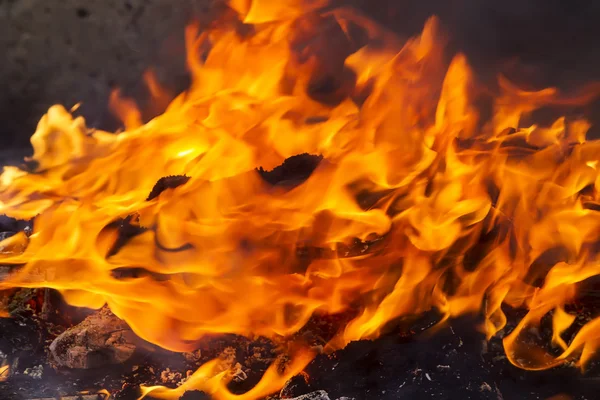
x=416, y=211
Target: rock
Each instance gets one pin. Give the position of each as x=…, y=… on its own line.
x=318, y=395
x=99, y=340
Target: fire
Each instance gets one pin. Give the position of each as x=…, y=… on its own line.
x=466, y=210
x=4, y=372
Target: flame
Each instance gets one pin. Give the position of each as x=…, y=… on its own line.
x=4, y=372
x=209, y=380
x=470, y=214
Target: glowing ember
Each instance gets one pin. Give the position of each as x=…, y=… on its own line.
x=392, y=121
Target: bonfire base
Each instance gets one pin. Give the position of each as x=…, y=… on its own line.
x=52, y=352
x=454, y=363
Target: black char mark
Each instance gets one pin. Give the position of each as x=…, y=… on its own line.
x=293, y=171
x=10, y=226
x=128, y=227
x=167, y=182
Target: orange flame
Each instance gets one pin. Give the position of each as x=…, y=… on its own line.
x=4, y=372
x=465, y=210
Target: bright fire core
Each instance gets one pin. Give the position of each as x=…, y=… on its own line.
x=396, y=124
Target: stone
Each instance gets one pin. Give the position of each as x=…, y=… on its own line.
x=99, y=340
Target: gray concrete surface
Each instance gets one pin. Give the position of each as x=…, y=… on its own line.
x=66, y=51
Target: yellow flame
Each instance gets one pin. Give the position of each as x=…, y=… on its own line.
x=4, y=372
x=465, y=210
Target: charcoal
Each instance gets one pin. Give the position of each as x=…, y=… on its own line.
x=99, y=340
x=293, y=171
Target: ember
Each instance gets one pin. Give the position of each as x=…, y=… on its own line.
x=310, y=191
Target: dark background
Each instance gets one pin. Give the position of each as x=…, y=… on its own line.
x=67, y=51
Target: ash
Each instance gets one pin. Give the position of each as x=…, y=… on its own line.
x=454, y=362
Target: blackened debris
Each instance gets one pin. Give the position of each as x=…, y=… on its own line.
x=455, y=362
x=128, y=228
x=10, y=225
x=167, y=182
x=295, y=169
x=128, y=391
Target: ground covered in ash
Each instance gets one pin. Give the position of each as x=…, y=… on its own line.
x=453, y=362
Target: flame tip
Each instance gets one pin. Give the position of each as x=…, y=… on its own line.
x=350, y=137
